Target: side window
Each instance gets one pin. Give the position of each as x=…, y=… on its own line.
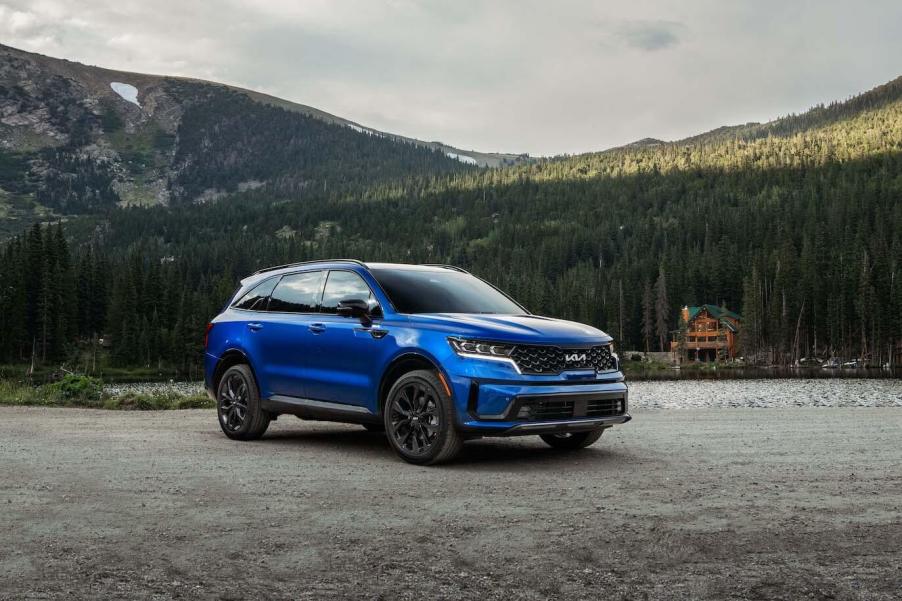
x=343, y=285
x=297, y=292
x=255, y=299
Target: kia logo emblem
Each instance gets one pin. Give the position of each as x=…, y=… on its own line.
x=573, y=357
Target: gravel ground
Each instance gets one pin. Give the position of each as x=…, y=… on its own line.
x=718, y=504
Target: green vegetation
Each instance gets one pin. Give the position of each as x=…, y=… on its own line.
x=640, y=370
x=83, y=391
x=226, y=138
x=72, y=391
x=156, y=402
x=140, y=151
x=76, y=388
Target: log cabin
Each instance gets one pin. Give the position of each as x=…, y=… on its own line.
x=707, y=333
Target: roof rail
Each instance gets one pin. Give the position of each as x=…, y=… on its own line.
x=277, y=267
x=453, y=267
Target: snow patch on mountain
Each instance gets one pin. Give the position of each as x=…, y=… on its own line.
x=128, y=92
x=365, y=130
x=462, y=158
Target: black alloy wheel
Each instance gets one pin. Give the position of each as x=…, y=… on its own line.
x=233, y=396
x=238, y=406
x=419, y=419
x=415, y=421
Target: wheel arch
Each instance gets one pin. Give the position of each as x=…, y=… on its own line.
x=403, y=364
x=229, y=359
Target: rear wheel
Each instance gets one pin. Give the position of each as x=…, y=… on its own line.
x=419, y=419
x=238, y=406
x=572, y=440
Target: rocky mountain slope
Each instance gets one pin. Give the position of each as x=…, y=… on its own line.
x=77, y=139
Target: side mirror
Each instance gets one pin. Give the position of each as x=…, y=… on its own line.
x=355, y=307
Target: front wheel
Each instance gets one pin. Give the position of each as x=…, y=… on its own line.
x=241, y=415
x=419, y=419
x=572, y=440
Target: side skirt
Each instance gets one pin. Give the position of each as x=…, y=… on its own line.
x=320, y=410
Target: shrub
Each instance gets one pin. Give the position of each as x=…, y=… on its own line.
x=77, y=390
x=142, y=402
x=197, y=401
x=111, y=402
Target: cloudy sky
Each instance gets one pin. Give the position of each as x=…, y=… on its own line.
x=543, y=77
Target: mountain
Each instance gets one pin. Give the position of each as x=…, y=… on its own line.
x=796, y=224
x=868, y=124
x=76, y=139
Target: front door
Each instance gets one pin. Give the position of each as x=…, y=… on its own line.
x=343, y=368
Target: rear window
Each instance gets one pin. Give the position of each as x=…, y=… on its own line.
x=255, y=299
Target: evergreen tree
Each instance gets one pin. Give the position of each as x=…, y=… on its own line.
x=648, y=324
x=662, y=309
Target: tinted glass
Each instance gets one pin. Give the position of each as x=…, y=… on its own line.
x=442, y=291
x=255, y=299
x=344, y=285
x=297, y=292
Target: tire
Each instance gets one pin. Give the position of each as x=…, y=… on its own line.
x=241, y=415
x=374, y=427
x=572, y=440
x=420, y=419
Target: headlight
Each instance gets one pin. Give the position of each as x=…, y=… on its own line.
x=480, y=348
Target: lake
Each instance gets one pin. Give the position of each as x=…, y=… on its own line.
x=765, y=393
x=691, y=394
x=711, y=372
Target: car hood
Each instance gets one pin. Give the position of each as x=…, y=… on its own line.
x=512, y=328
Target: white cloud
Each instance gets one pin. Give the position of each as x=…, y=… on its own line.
x=521, y=75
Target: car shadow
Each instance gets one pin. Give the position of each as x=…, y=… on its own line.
x=530, y=453
x=527, y=453
x=343, y=439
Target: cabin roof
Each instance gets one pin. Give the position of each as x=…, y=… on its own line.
x=714, y=311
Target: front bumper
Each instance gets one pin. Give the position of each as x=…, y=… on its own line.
x=539, y=405
x=548, y=427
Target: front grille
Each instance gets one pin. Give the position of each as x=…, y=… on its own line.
x=543, y=410
x=547, y=408
x=604, y=407
x=554, y=359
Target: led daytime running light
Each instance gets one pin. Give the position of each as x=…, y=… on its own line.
x=477, y=347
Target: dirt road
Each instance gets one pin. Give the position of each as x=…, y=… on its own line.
x=730, y=503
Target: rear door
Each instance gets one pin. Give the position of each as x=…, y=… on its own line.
x=346, y=365
x=284, y=333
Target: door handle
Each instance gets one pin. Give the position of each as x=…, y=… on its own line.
x=255, y=327
x=317, y=328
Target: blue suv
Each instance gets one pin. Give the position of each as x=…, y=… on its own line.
x=430, y=354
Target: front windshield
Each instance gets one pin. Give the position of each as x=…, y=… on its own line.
x=442, y=291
